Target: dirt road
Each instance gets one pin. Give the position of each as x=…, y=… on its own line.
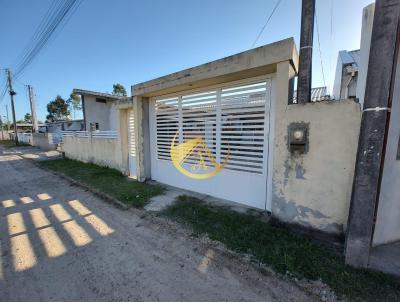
x=60, y=243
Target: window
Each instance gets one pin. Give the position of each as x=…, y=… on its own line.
x=100, y=100
x=94, y=126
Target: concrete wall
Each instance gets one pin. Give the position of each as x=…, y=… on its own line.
x=100, y=151
x=314, y=189
x=366, y=32
x=42, y=140
x=387, y=227
x=106, y=114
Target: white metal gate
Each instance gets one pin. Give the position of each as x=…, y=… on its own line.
x=132, y=143
x=234, y=124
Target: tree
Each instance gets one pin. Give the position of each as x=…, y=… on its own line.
x=58, y=110
x=28, y=118
x=119, y=89
x=75, y=102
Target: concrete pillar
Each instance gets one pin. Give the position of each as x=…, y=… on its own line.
x=123, y=138
x=142, y=137
x=281, y=94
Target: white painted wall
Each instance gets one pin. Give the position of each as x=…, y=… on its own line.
x=104, y=114
x=366, y=33
x=100, y=151
x=314, y=189
x=387, y=227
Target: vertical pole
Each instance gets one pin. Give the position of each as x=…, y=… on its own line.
x=8, y=120
x=12, y=93
x=306, y=47
x=373, y=132
x=2, y=128
x=33, y=109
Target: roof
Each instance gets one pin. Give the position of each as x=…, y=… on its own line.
x=66, y=121
x=98, y=94
x=350, y=57
x=251, y=63
x=317, y=94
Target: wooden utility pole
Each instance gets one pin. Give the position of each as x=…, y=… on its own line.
x=306, y=49
x=8, y=120
x=12, y=93
x=373, y=132
x=33, y=109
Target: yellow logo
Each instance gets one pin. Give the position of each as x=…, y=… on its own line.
x=199, y=155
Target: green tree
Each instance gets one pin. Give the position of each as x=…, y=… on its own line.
x=119, y=89
x=74, y=101
x=28, y=118
x=58, y=110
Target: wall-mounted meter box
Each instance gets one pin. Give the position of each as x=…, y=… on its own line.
x=298, y=141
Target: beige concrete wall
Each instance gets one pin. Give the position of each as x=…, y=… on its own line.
x=42, y=140
x=314, y=189
x=100, y=151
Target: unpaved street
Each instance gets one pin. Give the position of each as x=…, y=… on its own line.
x=60, y=243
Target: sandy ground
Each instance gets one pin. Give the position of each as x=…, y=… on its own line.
x=61, y=243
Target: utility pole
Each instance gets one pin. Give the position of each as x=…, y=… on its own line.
x=12, y=93
x=33, y=109
x=8, y=120
x=373, y=132
x=2, y=128
x=306, y=49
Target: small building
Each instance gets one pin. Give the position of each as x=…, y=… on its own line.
x=99, y=110
x=346, y=76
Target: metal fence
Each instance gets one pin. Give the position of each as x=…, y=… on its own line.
x=109, y=134
x=25, y=138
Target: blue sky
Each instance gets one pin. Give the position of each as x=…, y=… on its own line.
x=130, y=41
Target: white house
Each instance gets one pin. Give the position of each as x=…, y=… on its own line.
x=99, y=111
x=295, y=161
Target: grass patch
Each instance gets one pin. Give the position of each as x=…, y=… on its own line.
x=107, y=180
x=10, y=144
x=284, y=251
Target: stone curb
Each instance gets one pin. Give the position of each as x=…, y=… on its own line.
x=102, y=195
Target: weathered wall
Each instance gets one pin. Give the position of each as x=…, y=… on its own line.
x=387, y=227
x=314, y=189
x=103, y=113
x=100, y=151
x=42, y=140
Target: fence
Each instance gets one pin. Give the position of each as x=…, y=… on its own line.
x=110, y=134
x=25, y=138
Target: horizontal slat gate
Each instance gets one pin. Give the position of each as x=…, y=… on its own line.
x=233, y=123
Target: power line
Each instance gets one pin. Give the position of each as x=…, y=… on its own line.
x=266, y=23
x=54, y=16
x=319, y=48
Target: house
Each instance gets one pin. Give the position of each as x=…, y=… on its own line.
x=99, y=110
x=347, y=67
x=229, y=129
x=318, y=94
x=352, y=66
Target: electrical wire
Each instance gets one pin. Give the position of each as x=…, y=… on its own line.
x=266, y=23
x=45, y=36
x=54, y=16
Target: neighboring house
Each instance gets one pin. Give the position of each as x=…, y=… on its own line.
x=345, y=84
x=318, y=94
x=352, y=66
x=99, y=110
x=58, y=126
